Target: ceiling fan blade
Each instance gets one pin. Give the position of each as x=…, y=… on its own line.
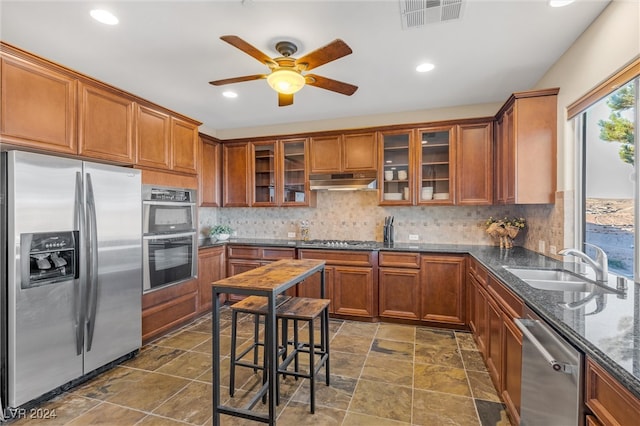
x=250, y=50
x=332, y=51
x=284, y=99
x=329, y=84
x=238, y=79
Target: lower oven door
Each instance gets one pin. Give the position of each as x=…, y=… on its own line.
x=169, y=259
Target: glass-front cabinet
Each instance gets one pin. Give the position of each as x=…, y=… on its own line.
x=294, y=173
x=280, y=173
x=435, y=165
x=264, y=173
x=396, y=173
x=417, y=166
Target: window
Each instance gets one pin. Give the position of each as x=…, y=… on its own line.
x=608, y=194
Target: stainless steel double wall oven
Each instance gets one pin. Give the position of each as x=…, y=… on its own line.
x=170, y=238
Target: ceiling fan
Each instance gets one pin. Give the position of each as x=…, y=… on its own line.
x=286, y=76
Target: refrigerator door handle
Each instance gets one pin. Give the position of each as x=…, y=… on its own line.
x=92, y=263
x=78, y=314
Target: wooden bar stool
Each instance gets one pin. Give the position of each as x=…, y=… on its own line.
x=256, y=306
x=307, y=310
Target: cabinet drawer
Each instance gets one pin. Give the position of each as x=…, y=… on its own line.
x=608, y=399
x=399, y=260
x=244, y=252
x=275, y=253
x=338, y=257
x=478, y=271
x=509, y=302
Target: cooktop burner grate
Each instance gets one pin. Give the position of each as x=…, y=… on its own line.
x=341, y=243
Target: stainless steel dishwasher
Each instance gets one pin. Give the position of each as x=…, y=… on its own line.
x=552, y=378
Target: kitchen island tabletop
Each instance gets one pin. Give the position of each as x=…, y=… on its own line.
x=268, y=281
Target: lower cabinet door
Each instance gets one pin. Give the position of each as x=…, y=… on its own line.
x=442, y=289
x=399, y=290
x=353, y=292
x=511, y=368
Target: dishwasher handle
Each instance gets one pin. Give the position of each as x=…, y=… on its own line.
x=523, y=324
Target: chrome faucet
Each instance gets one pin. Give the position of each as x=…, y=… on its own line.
x=599, y=265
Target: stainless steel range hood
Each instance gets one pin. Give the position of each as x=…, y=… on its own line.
x=344, y=182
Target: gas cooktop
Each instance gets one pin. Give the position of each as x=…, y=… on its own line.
x=341, y=243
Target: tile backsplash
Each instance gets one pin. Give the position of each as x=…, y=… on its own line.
x=356, y=215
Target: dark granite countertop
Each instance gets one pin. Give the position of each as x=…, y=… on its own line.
x=607, y=328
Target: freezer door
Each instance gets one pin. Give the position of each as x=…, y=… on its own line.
x=42, y=352
x=114, y=247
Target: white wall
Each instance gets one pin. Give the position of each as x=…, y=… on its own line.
x=611, y=42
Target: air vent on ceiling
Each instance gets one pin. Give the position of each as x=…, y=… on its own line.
x=416, y=13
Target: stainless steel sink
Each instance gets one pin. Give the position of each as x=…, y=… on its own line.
x=552, y=279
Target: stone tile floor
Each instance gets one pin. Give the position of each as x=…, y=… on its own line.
x=381, y=374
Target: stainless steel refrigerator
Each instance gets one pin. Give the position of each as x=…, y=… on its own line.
x=72, y=283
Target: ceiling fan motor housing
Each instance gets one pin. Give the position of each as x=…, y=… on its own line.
x=286, y=48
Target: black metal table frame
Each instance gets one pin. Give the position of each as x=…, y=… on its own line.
x=269, y=386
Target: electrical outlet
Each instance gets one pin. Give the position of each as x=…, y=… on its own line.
x=413, y=237
x=541, y=246
x=291, y=234
x=552, y=250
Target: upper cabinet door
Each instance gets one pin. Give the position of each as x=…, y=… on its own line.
x=396, y=176
x=360, y=152
x=326, y=154
x=105, y=125
x=210, y=172
x=295, y=178
x=474, y=163
x=184, y=144
x=236, y=168
x=265, y=181
x=38, y=106
x=153, y=138
x=436, y=166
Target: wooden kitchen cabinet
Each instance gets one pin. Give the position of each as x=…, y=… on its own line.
x=153, y=137
x=474, y=164
x=242, y=258
x=397, y=158
x=38, y=104
x=351, y=278
x=105, y=124
x=442, y=297
x=264, y=173
x=609, y=401
x=436, y=167
x=210, y=172
x=211, y=267
x=499, y=340
x=236, y=179
x=293, y=172
x=184, y=146
x=168, y=308
x=399, y=285
x=526, y=128
x=343, y=153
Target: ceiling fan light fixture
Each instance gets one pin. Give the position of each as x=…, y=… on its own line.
x=286, y=81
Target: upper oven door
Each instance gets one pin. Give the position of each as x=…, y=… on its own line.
x=163, y=217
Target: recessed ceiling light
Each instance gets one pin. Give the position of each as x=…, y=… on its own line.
x=560, y=3
x=104, y=16
x=425, y=67
x=229, y=94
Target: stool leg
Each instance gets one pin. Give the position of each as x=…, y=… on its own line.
x=295, y=345
x=232, y=366
x=324, y=327
x=312, y=369
x=256, y=339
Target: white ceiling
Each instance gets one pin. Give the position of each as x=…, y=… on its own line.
x=167, y=52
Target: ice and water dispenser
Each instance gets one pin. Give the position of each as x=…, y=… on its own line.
x=48, y=257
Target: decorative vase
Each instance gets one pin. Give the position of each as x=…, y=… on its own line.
x=221, y=237
x=504, y=234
